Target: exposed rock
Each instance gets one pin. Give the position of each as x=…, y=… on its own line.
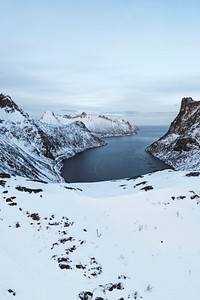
x=193, y=174
x=4, y=175
x=147, y=188
x=180, y=146
x=10, y=106
x=28, y=190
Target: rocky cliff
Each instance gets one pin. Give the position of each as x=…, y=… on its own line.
x=180, y=146
x=33, y=149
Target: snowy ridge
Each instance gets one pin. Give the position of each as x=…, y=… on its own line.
x=33, y=149
x=180, y=146
x=128, y=239
x=101, y=125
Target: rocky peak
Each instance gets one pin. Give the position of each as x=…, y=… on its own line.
x=188, y=105
x=10, y=106
x=188, y=116
x=83, y=115
x=180, y=146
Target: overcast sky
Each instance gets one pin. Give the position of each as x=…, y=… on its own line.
x=122, y=57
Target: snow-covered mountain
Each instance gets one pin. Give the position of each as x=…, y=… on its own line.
x=128, y=239
x=136, y=238
x=33, y=149
x=100, y=125
x=180, y=146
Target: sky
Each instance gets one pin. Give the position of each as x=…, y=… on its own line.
x=134, y=59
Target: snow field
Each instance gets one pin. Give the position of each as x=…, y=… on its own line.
x=114, y=240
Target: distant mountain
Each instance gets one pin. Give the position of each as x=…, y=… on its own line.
x=100, y=125
x=33, y=149
x=180, y=146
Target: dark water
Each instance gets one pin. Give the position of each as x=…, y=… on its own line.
x=122, y=157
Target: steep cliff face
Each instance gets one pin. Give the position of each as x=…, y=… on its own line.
x=180, y=146
x=33, y=149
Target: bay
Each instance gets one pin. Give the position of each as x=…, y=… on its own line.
x=122, y=157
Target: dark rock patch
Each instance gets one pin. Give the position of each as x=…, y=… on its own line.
x=193, y=174
x=85, y=295
x=114, y=286
x=95, y=268
x=63, y=259
x=72, y=188
x=28, y=190
x=5, y=175
x=17, y=225
x=2, y=183
x=35, y=216
x=54, y=224
x=10, y=201
x=181, y=197
x=71, y=249
x=10, y=291
x=65, y=267
x=80, y=267
x=141, y=183
x=195, y=196
x=147, y=188
x=12, y=204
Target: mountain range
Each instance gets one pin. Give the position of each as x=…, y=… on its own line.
x=99, y=125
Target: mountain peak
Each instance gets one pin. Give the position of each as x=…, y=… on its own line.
x=10, y=106
x=188, y=102
x=180, y=146
x=7, y=103
x=187, y=116
x=49, y=118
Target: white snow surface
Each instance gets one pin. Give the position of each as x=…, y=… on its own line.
x=50, y=118
x=100, y=125
x=126, y=239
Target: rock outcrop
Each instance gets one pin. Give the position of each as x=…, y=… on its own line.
x=180, y=146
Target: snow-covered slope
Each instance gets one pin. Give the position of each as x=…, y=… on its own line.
x=180, y=146
x=33, y=149
x=128, y=239
x=100, y=125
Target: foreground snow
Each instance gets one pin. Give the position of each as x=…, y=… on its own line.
x=127, y=239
